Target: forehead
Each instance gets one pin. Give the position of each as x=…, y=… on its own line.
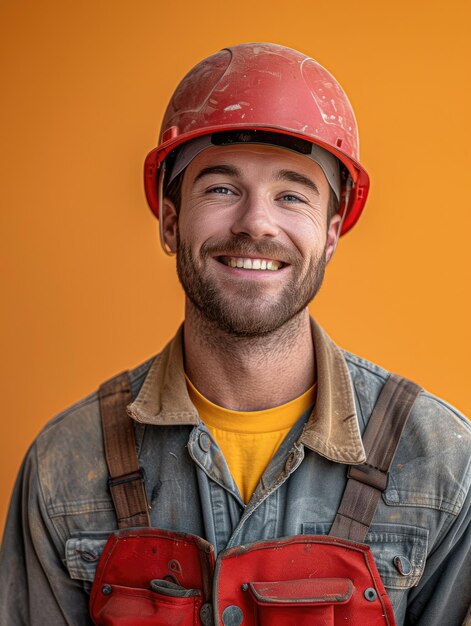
x=263, y=161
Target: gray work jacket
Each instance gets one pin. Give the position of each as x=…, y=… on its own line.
x=61, y=511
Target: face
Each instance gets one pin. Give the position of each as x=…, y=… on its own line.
x=251, y=237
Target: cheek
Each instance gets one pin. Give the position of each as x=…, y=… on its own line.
x=307, y=231
x=203, y=221
x=305, y=218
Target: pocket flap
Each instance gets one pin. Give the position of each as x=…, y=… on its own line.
x=399, y=551
x=309, y=590
x=82, y=554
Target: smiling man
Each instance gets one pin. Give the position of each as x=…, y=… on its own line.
x=253, y=472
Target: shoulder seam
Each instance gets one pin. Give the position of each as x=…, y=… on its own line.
x=137, y=374
x=363, y=364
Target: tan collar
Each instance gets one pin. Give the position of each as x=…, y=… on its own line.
x=332, y=429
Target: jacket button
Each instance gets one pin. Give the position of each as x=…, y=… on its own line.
x=206, y=614
x=204, y=441
x=106, y=590
x=232, y=616
x=88, y=556
x=402, y=564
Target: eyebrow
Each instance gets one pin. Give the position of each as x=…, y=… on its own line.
x=296, y=177
x=228, y=170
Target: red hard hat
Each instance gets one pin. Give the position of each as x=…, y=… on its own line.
x=263, y=86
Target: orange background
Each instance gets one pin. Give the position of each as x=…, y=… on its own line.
x=86, y=290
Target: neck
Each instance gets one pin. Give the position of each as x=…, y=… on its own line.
x=249, y=373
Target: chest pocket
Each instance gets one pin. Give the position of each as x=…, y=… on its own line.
x=82, y=553
x=399, y=551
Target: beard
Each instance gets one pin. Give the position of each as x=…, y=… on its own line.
x=250, y=312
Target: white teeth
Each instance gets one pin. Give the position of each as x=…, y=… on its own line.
x=252, y=264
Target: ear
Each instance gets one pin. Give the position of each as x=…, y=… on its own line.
x=169, y=217
x=333, y=234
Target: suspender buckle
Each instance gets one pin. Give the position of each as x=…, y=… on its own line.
x=369, y=475
x=126, y=478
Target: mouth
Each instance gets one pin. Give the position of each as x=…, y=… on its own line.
x=248, y=263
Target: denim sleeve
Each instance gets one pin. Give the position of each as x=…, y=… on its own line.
x=35, y=587
x=443, y=595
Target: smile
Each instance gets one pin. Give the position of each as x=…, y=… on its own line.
x=251, y=264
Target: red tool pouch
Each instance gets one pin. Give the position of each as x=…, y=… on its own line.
x=300, y=581
x=152, y=577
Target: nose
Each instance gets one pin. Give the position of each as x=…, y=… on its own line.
x=255, y=219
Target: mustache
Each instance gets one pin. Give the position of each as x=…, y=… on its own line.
x=242, y=246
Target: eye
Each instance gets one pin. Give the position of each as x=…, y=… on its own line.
x=225, y=191
x=289, y=197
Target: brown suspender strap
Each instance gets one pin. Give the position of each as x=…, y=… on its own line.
x=126, y=481
x=381, y=437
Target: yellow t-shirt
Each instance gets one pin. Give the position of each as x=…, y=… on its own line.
x=249, y=439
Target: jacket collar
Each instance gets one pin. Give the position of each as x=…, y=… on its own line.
x=332, y=429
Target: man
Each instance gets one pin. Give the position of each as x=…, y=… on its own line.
x=246, y=425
